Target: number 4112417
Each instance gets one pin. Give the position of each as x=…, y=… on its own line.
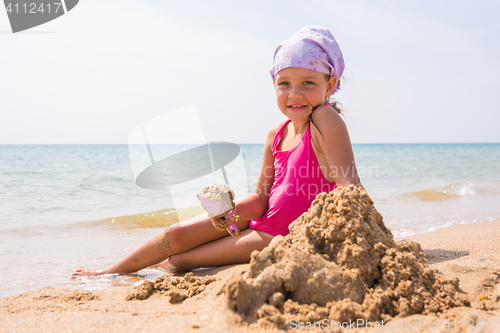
x=31, y=8
x=470, y=324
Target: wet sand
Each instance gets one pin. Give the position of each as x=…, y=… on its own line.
x=469, y=252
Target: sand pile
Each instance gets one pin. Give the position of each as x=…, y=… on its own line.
x=339, y=262
x=489, y=292
x=177, y=288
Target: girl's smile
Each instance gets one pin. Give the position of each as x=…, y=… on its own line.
x=297, y=107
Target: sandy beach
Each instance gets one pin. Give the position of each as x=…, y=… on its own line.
x=469, y=252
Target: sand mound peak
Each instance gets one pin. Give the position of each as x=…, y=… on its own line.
x=341, y=263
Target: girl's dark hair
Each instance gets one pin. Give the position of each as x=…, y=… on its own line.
x=335, y=105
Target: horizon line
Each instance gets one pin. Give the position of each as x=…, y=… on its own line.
x=246, y=143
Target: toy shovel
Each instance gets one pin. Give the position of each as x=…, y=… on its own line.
x=217, y=200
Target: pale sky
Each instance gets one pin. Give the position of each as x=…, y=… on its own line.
x=416, y=71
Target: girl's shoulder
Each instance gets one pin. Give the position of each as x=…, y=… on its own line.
x=328, y=114
x=274, y=130
x=325, y=117
x=271, y=134
x=328, y=126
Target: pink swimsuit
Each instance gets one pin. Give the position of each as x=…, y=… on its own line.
x=297, y=181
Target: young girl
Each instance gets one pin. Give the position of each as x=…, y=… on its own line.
x=299, y=161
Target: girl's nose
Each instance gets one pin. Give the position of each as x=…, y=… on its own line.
x=295, y=92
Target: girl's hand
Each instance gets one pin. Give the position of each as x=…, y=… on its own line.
x=221, y=224
x=227, y=222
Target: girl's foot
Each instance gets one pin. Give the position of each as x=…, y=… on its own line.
x=87, y=272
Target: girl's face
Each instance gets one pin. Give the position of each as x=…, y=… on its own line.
x=299, y=90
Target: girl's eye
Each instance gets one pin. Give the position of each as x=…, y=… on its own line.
x=308, y=82
x=284, y=83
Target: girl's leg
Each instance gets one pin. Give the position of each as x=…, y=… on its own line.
x=224, y=251
x=180, y=237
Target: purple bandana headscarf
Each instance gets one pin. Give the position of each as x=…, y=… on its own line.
x=310, y=48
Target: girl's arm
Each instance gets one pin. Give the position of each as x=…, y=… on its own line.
x=334, y=143
x=255, y=204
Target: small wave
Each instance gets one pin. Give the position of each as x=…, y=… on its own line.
x=156, y=219
x=37, y=209
x=25, y=172
x=117, y=179
x=85, y=183
x=404, y=232
x=408, y=232
x=22, y=231
x=463, y=188
x=110, y=280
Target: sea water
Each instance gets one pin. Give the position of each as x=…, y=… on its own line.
x=65, y=207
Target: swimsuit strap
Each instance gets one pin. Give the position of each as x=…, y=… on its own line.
x=279, y=135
